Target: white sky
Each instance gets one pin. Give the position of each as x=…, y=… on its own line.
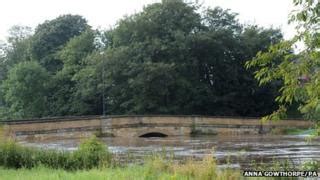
x=105, y=13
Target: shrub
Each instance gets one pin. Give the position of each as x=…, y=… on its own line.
x=311, y=166
x=205, y=169
x=91, y=154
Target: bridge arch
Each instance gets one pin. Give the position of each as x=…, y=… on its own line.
x=153, y=134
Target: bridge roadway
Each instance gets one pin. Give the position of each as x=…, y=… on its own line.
x=143, y=126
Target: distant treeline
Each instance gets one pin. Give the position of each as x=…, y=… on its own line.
x=171, y=58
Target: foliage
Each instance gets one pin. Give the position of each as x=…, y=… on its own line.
x=17, y=50
x=2, y=133
x=161, y=67
x=205, y=169
x=25, y=90
x=91, y=154
x=131, y=172
x=156, y=168
x=299, y=71
x=171, y=58
x=311, y=166
x=64, y=98
x=50, y=36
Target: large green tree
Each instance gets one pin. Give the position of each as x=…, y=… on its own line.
x=148, y=59
x=16, y=49
x=171, y=59
x=59, y=46
x=52, y=35
x=64, y=88
x=25, y=91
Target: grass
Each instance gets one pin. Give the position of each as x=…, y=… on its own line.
x=42, y=173
x=93, y=161
x=135, y=172
x=154, y=168
x=2, y=137
x=91, y=154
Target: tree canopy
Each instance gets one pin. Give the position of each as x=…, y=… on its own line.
x=168, y=59
x=24, y=90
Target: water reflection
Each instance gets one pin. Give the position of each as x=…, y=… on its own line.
x=236, y=150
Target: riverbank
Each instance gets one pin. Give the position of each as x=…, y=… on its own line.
x=295, y=131
x=41, y=173
x=154, y=169
x=92, y=160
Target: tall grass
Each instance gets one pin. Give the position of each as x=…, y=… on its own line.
x=90, y=154
x=2, y=136
x=205, y=169
x=155, y=168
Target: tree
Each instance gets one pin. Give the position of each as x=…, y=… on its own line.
x=52, y=35
x=18, y=33
x=64, y=89
x=224, y=86
x=298, y=71
x=89, y=86
x=145, y=47
x=17, y=48
x=25, y=91
x=156, y=64
x=15, y=51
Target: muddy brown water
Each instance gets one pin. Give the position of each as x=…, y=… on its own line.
x=236, y=151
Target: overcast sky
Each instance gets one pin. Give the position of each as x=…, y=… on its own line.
x=105, y=13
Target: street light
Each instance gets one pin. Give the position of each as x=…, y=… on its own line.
x=103, y=87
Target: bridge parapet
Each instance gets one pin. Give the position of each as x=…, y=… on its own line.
x=136, y=126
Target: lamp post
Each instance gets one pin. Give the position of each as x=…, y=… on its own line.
x=103, y=88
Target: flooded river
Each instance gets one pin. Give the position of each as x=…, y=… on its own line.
x=237, y=151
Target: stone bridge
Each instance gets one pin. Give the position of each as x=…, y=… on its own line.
x=143, y=126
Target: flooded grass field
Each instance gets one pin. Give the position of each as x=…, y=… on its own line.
x=236, y=151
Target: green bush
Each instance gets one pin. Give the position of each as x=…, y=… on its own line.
x=311, y=166
x=91, y=154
